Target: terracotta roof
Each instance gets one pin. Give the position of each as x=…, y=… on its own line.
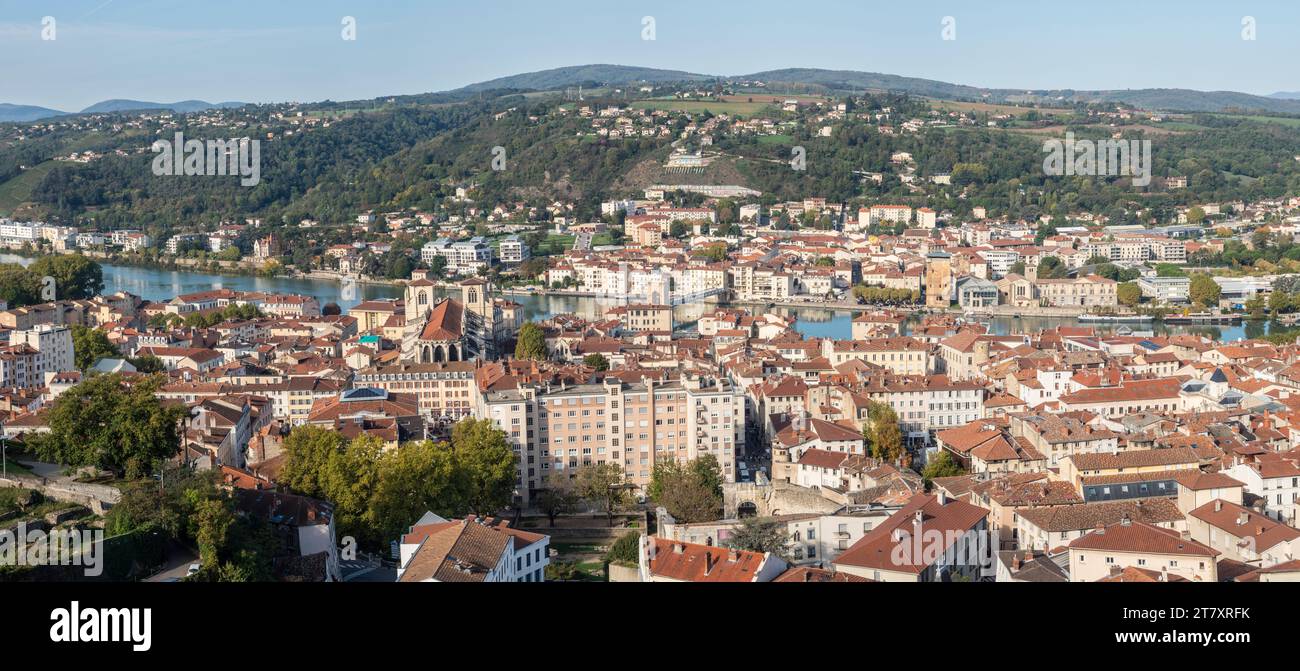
x=1141, y=537
x=693, y=562
x=1242, y=522
x=876, y=549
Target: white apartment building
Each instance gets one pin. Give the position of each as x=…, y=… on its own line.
x=513, y=251
x=54, y=352
x=465, y=257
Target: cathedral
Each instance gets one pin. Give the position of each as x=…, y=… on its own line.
x=448, y=329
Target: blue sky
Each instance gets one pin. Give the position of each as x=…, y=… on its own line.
x=275, y=50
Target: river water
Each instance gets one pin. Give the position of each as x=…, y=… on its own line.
x=158, y=285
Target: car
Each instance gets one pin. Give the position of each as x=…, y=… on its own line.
x=194, y=568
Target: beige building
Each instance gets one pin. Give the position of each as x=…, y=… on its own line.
x=444, y=389
x=1090, y=291
x=1143, y=546
x=639, y=317
x=634, y=425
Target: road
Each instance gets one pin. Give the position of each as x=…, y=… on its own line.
x=177, y=564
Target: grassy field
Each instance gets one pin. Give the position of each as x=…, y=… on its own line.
x=1285, y=121
x=711, y=106
x=554, y=244
x=18, y=190
x=775, y=139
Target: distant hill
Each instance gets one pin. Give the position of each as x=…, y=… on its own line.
x=559, y=78
x=1185, y=100
x=118, y=105
x=1286, y=95
x=10, y=112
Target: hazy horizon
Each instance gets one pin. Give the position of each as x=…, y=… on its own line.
x=257, y=52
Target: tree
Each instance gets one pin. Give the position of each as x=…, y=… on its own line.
x=625, y=550
x=1051, y=268
x=485, y=468
x=75, y=276
x=559, y=497
x=531, y=342
x=1195, y=215
x=116, y=426
x=689, y=492
x=762, y=534
x=147, y=364
x=1128, y=294
x=942, y=466
x=377, y=493
x=882, y=432
x=18, y=286
x=90, y=345
x=602, y=484
x=597, y=361
x=1204, y=291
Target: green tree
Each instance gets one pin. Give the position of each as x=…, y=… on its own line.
x=147, y=364
x=90, y=345
x=18, y=287
x=531, y=342
x=1204, y=291
x=75, y=276
x=602, y=484
x=597, y=361
x=882, y=432
x=486, y=468
x=625, y=550
x=942, y=465
x=762, y=534
x=689, y=492
x=1051, y=268
x=113, y=423
x=1128, y=294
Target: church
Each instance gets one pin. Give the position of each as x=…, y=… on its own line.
x=474, y=326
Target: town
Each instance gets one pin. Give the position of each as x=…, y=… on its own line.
x=926, y=443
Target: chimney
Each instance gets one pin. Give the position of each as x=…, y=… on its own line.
x=678, y=548
x=1164, y=574
x=1125, y=520
x=1242, y=519
x=1218, y=505
x=709, y=563
x=1015, y=563
x=943, y=497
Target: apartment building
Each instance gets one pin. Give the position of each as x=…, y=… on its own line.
x=31, y=353
x=444, y=390
x=464, y=257
x=513, y=251
x=901, y=355
x=635, y=425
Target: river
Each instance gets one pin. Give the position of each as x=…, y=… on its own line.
x=158, y=285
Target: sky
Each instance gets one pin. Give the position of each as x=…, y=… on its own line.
x=293, y=50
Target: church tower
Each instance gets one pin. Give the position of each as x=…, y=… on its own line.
x=480, y=317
